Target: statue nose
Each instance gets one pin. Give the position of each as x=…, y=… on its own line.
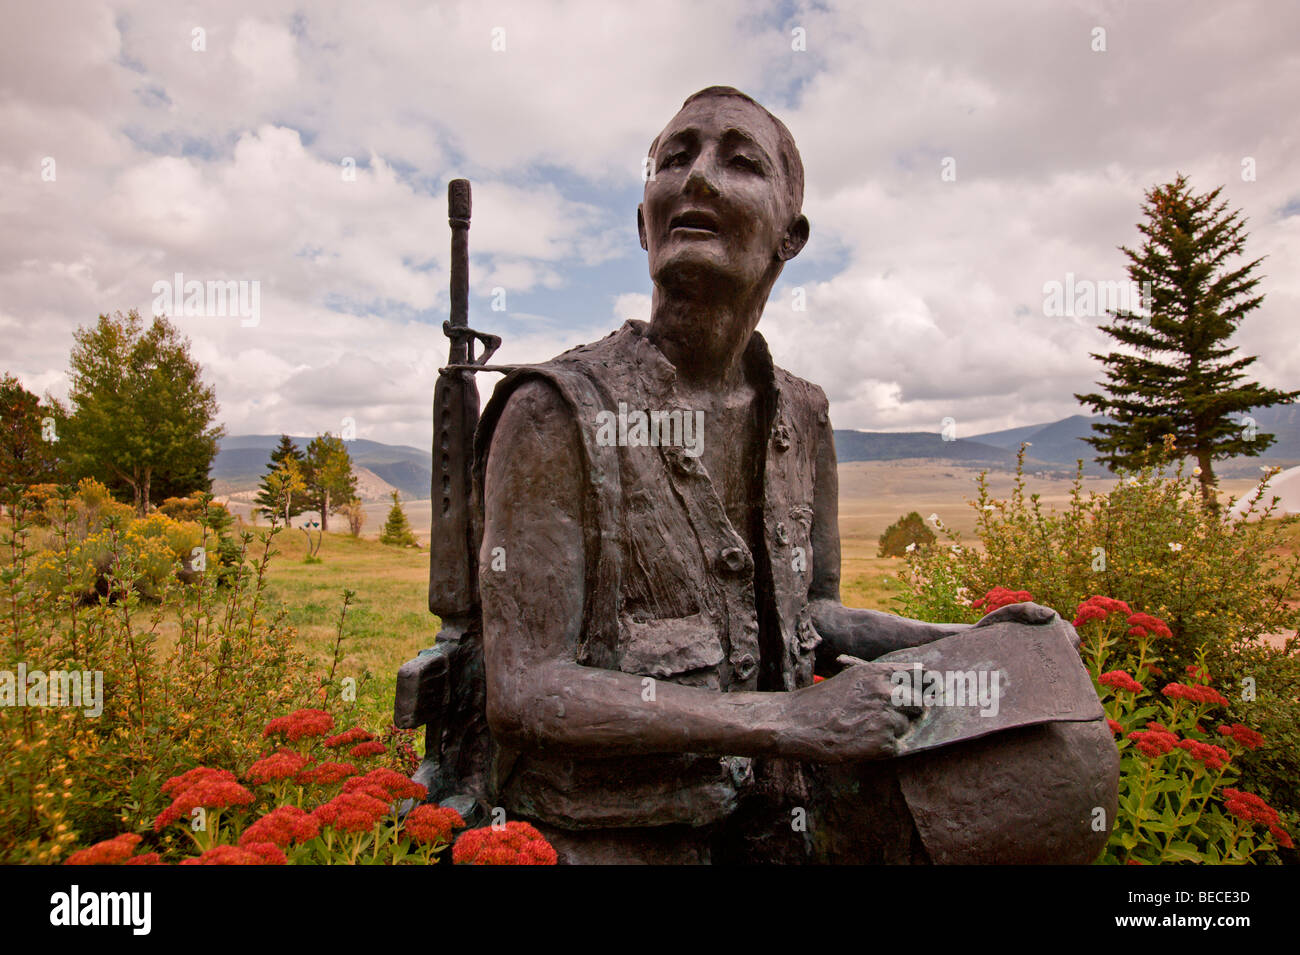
x=699, y=183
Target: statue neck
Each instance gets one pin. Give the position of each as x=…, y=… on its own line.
x=704, y=339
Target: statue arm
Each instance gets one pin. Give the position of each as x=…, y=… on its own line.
x=539, y=697
x=865, y=634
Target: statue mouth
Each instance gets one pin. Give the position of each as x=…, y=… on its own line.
x=694, y=221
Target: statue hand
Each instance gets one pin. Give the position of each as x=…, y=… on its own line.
x=849, y=717
x=1026, y=613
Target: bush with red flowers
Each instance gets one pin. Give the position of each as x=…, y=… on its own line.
x=512, y=843
x=1176, y=802
x=1211, y=587
x=299, y=807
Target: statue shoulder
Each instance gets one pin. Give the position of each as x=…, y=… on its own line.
x=803, y=399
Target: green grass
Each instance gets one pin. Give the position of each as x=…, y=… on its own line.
x=387, y=621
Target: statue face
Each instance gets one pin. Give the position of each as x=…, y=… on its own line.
x=716, y=209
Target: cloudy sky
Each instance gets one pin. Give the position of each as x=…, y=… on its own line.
x=307, y=148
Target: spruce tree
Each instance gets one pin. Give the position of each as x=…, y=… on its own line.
x=1177, y=376
x=266, y=498
x=397, y=529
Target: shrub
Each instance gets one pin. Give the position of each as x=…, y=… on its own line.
x=1179, y=760
x=1224, y=584
x=300, y=804
x=1220, y=582
x=199, y=698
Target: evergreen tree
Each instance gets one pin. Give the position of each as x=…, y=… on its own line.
x=1177, y=375
x=397, y=529
x=29, y=433
x=291, y=499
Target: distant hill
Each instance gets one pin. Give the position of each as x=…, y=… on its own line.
x=896, y=445
x=1054, y=445
x=242, y=460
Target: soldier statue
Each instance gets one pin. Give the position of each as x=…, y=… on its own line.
x=633, y=665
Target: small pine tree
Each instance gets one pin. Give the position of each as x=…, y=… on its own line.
x=904, y=531
x=397, y=529
x=271, y=499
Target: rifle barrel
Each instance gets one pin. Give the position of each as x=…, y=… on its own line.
x=458, y=213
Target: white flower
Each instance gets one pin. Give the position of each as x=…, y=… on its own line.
x=910, y=547
x=1196, y=472
x=934, y=519
x=1175, y=547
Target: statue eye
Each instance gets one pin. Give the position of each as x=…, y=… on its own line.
x=744, y=162
x=674, y=159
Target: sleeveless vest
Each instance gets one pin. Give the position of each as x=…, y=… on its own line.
x=672, y=590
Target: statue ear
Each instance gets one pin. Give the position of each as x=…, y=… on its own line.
x=640, y=227
x=795, y=238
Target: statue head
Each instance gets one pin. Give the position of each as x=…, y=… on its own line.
x=722, y=204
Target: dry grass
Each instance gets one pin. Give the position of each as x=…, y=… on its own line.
x=388, y=622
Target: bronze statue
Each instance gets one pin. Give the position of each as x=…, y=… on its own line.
x=658, y=585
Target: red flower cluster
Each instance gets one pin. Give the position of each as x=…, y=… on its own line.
x=1153, y=743
x=1119, y=680
x=1214, y=757
x=1281, y=837
x=109, y=852
x=326, y=774
x=282, y=826
x=1249, y=807
x=1115, y=728
x=348, y=737
x=1098, y=607
x=1000, y=597
x=1197, y=674
x=255, y=853
x=517, y=843
x=1197, y=694
x=393, y=784
x=283, y=764
x=1143, y=625
x=429, y=825
x=362, y=750
x=145, y=858
x=351, y=812
x=299, y=724
x=215, y=789
x=1244, y=735
x=199, y=774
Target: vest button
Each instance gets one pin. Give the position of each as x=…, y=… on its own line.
x=745, y=666
x=734, y=559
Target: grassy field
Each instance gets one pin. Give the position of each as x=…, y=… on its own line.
x=388, y=621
